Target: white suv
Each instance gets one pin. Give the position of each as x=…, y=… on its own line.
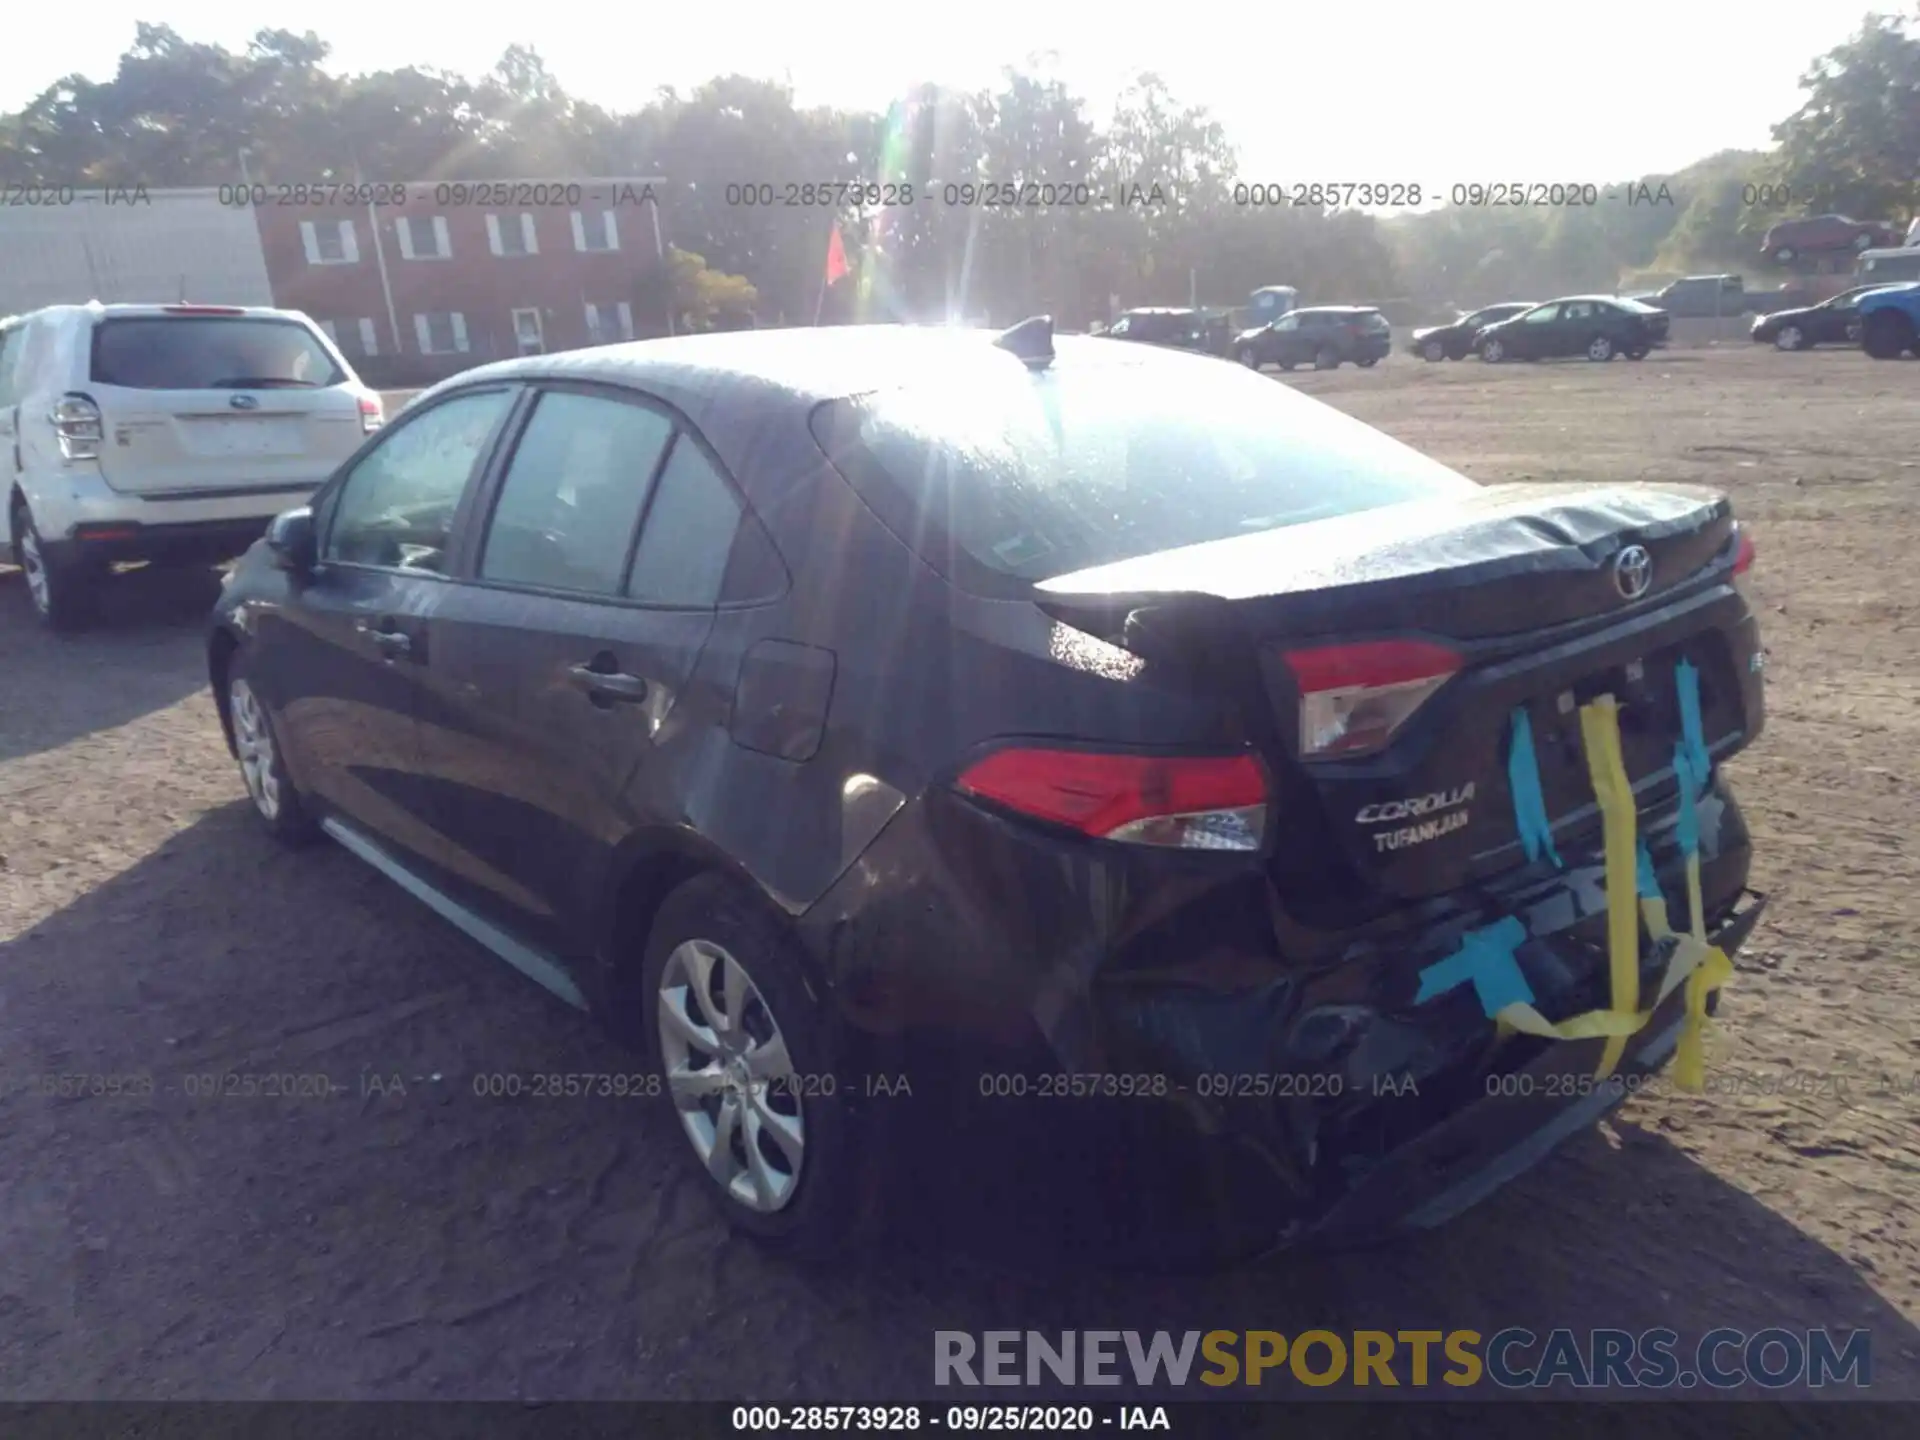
x=169, y=433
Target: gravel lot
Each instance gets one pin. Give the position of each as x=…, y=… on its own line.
x=434, y=1244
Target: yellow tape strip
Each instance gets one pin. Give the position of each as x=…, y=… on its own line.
x=1702, y=967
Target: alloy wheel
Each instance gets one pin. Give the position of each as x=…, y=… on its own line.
x=1433, y=350
x=1601, y=348
x=1788, y=338
x=253, y=739
x=730, y=1076
x=35, y=566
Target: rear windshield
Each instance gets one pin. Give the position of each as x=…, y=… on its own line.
x=1009, y=477
x=210, y=352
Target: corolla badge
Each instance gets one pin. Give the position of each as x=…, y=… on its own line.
x=1633, y=572
x=245, y=402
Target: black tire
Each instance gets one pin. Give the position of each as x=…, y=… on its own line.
x=1433, y=352
x=62, y=594
x=1287, y=364
x=1368, y=363
x=1886, y=335
x=830, y=1202
x=1326, y=358
x=1600, y=349
x=1493, y=352
x=269, y=787
x=1248, y=357
x=1638, y=352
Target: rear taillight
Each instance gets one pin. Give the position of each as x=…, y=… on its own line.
x=1179, y=802
x=1355, y=698
x=1743, y=555
x=371, y=416
x=77, y=423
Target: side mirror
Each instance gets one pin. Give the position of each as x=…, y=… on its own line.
x=290, y=537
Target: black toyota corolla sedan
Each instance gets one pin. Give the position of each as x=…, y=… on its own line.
x=807, y=703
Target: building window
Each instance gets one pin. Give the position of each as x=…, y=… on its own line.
x=358, y=339
x=423, y=237
x=329, y=242
x=595, y=230
x=609, y=323
x=512, y=235
x=443, y=332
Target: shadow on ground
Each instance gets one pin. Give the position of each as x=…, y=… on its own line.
x=380, y=1230
x=141, y=655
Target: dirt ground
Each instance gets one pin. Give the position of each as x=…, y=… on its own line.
x=435, y=1244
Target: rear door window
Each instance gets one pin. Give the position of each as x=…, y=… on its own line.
x=1004, y=478
x=210, y=352
x=573, y=492
x=684, y=547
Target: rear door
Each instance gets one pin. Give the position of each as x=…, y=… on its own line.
x=204, y=400
x=344, y=661
x=559, y=662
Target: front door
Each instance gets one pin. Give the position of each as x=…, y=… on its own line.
x=528, y=336
x=557, y=665
x=1539, y=332
x=349, y=654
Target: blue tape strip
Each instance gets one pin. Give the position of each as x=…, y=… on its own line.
x=1691, y=766
x=1529, y=805
x=1484, y=960
x=1692, y=733
x=1645, y=880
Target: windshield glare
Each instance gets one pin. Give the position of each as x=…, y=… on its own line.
x=1021, y=477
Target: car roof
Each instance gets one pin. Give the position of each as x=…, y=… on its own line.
x=95, y=310
x=1336, y=310
x=802, y=363
x=751, y=393
x=1160, y=310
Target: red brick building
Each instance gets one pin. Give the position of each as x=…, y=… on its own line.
x=459, y=273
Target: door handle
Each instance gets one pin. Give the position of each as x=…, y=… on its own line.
x=388, y=642
x=608, y=686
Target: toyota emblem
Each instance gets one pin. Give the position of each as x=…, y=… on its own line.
x=1633, y=572
x=244, y=402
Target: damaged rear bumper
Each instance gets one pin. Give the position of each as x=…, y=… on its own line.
x=1300, y=1067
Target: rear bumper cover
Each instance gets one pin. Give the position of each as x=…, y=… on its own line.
x=1297, y=1062
x=81, y=518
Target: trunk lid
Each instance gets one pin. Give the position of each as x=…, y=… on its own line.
x=1522, y=583
x=194, y=402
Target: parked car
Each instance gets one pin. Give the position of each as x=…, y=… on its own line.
x=1454, y=340
x=1831, y=322
x=1890, y=322
x=809, y=704
x=1820, y=234
x=1180, y=328
x=1324, y=336
x=164, y=433
x=1699, y=297
x=1596, y=326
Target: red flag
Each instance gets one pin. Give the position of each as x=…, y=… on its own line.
x=836, y=257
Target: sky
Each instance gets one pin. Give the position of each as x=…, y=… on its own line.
x=1387, y=91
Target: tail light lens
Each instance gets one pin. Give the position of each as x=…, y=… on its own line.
x=77, y=423
x=371, y=415
x=1355, y=698
x=1743, y=555
x=1175, y=802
